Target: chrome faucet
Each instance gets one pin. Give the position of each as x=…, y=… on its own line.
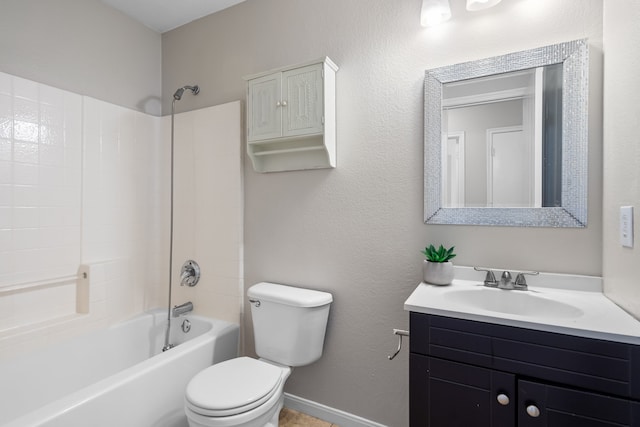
x=506, y=283
x=181, y=309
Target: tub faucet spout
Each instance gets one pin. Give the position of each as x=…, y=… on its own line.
x=181, y=309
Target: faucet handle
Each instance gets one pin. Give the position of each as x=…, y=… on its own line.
x=521, y=282
x=189, y=273
x=490, y=278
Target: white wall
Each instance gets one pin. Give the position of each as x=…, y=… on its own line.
x=621, y=148
x=82, y=46
x=357, y=230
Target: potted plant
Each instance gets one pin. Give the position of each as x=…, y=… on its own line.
x=437, y=269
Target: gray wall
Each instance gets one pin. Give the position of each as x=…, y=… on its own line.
x=357, y=230
x=82, y=46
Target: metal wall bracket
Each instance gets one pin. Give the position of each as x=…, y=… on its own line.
x=400, y=333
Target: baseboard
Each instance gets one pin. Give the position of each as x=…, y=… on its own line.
x=332, y=415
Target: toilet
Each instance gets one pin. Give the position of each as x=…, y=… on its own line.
x=289, y=325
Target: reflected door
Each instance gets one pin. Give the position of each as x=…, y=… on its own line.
x=509, y=170
x=453, y=170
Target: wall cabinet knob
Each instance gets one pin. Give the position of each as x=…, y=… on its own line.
x=278, y=104
x=533, y=411
x=503, y=399
x=284, y=103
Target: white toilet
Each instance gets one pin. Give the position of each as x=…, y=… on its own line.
x=289, y=324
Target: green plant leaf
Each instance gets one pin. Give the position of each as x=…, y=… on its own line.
x=438, y=255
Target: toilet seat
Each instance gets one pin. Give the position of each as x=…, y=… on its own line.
x=232, y=387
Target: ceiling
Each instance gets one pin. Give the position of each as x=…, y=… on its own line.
x=165, y=15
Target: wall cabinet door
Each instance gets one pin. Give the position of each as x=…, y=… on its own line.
x=263, y=109
x=302, y=101
x=286, y=104
x=451, y=394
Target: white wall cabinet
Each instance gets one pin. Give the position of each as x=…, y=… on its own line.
x=291, y=119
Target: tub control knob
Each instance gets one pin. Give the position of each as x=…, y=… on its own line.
x=503, y=399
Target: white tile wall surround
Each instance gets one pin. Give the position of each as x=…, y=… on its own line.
x=34, y=318
x=209, y=208
x=79, y=181
x=83, y=181
x=40, y=182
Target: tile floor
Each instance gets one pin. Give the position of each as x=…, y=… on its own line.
x=291, y=418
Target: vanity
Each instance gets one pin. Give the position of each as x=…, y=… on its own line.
x=559, y=354
x=506, y=145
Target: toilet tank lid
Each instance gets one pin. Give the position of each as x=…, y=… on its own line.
x=289, y=295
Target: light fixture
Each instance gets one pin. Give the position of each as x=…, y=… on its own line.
x=434, y=12
x=473, y=5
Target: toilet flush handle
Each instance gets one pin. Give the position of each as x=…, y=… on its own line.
x=255, y=301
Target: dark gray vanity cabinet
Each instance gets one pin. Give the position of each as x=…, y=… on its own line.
x=467, y=373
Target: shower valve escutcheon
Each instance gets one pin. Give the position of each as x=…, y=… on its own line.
x=190, y=273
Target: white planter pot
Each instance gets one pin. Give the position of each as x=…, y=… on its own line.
x=437, y=273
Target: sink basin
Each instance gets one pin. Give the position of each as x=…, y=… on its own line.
x=521, y=303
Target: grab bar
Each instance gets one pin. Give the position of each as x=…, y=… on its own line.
x=400, y=333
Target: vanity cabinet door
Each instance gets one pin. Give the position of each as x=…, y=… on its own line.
x=451, y=394
x=542, y=405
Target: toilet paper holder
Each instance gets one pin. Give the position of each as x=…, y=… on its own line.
x=400, y=333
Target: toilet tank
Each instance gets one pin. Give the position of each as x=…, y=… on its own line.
x=289, y=323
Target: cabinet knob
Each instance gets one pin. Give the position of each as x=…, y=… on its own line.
x=503, y=399
x=284, y=103
x=533, y=411
x=278, y=104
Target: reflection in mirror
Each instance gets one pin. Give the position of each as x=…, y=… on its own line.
x=506, y=139
x=497, y=123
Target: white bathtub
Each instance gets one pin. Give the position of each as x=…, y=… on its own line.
x=115, y=377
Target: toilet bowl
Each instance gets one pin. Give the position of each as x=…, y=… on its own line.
x=289, y=329
x=241, y=392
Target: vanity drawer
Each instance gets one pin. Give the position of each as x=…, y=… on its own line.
x=605, y=366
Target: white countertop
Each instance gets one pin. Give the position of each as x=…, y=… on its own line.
x=600, y=318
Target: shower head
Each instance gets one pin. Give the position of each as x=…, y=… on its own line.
x=178, y=95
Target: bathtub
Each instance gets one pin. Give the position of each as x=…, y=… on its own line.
x=114, y=377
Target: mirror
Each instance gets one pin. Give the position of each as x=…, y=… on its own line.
x=506, y=139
